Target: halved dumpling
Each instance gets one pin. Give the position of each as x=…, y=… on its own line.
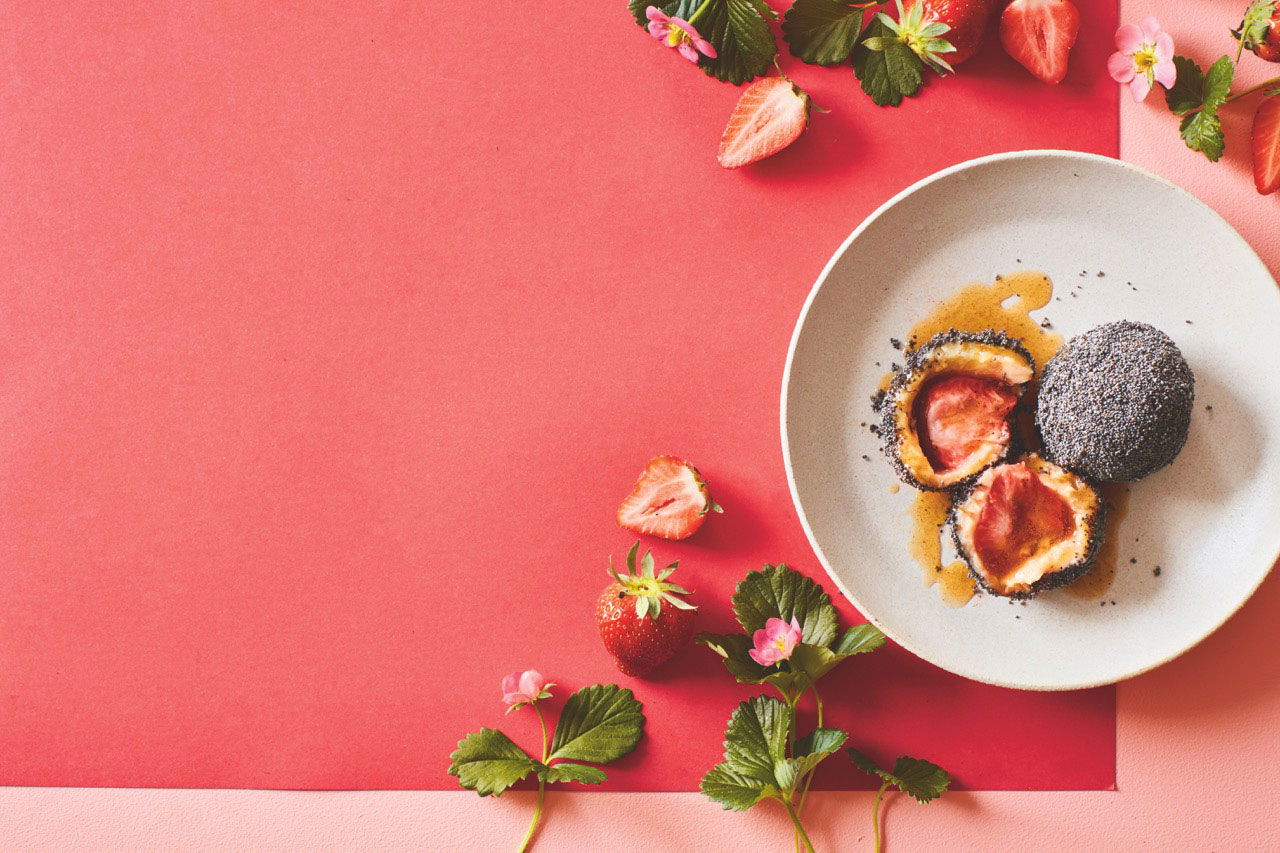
x=945, y=415
x=1027, y=526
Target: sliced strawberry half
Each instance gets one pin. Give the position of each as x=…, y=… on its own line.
x=1040, y=35
x=962, y=415
x=770, y=115
x=1266, y=145
x=669, y=500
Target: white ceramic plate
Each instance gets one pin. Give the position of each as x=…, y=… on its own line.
x=1211, y=520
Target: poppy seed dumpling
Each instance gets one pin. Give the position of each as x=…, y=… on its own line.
x=1115, y=402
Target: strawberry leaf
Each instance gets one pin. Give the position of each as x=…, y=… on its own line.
x=739, y=29
x=1196, y=97
x=638, y=7
x=887, y=69
x=1253, y=29
x=1187, y=92
x=733, y=790
x=599, y=724
x=756, y=737
x=922, y=780
x=780, y=592
x=817, y=661
x=569, y=772
x=816, y=746
x=733, y=648
x=859, y=639
x=487, y=762
x=822, y=32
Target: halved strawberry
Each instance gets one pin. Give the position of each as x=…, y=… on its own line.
x=770, y=115
x=1266, y=145
x=669, y=500
x=1040, y=34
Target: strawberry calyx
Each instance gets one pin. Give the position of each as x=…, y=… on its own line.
x=648, y=588
x=917, y=32
x=708, y=503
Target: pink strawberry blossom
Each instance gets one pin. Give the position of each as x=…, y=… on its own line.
x=1144, y=58
x=775, y=641
x=520, y=688
x=678, y=33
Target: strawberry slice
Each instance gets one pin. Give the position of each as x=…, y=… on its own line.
x=1266, y=146
x=669, y=500
x=770, y=115
x=1040, y=34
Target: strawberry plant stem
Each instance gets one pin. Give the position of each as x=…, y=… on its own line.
x=537, y=808
x=875, y=816
x=804, y=792
x=1274, y=81
x=795, y=821
x=537, y=814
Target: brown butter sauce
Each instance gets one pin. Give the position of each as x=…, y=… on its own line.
x=1004, y=305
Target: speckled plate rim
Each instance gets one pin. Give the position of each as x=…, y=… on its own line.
x=1031, y=154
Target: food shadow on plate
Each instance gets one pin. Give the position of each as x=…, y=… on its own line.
x=1220, y=454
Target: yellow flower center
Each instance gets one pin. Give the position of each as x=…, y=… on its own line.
x=677, y=37
x=780, y=643
x=1144, y=61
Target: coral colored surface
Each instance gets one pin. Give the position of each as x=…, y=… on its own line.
x=333, y=337
x=1196, y=745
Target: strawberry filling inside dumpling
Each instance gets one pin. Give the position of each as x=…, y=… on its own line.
x=960, y=416
x=1027, y=526
x=1022, y=517
x=945, y=414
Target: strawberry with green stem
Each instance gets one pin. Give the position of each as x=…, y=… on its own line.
x=921, y=32
x=1260, y=31
x=637, y=629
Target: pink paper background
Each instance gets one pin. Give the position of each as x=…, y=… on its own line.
x=332, y=339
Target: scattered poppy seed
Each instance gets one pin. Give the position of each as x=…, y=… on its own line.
x=895, y=343
x=1156, y=571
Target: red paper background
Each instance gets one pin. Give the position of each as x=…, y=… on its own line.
x=332, y=335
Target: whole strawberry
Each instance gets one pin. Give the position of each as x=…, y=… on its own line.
x=1260, y=30
x=967, y=20
x=642, y=619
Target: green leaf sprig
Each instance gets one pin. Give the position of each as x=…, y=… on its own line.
x=780, y=592
x=889, y=56
x=1253, y=29
x=738, y=29
x=764, y=755
x=598, y=724
x=1197, y=96
x=922, y=780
